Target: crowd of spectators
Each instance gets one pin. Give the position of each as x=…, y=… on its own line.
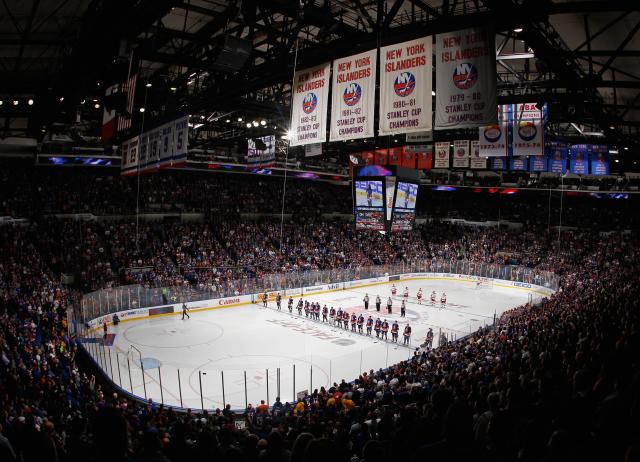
x=558, y=381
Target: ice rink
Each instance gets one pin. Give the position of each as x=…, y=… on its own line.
x=274, y=348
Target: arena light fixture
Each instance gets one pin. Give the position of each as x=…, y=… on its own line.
x=248, y=124
x=239, y=119
x=517, y=30
x=1, y=102
x=626, y=148
x=16, y=102
x=433, y=93
x=141, y=109
x=148, y=85
x=263, y=122
x=228, y=120
x=255, y=123
x=30, y=101
x=173, y=88
x=97, y=105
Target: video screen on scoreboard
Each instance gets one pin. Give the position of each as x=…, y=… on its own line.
x=369, y=207
x=369, y=194
x=404, y=211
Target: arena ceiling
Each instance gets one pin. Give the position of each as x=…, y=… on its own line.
x=581, y=57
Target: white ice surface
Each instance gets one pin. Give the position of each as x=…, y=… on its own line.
x=253, y=339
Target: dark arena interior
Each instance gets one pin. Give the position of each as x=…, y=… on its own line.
x=319, y=230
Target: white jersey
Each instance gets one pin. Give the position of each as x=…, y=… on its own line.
x=406, y=293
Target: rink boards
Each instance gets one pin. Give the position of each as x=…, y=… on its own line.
x=229, y=302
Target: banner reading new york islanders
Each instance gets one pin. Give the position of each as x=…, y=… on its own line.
x=353, y=97
x=405, y=87
x=461, y=154
x=465, y=78
x=309, y=105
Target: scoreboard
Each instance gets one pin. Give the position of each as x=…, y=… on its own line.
x=384, y=198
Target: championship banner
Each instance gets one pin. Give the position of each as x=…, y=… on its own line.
x=517, y=163
x=461, y=154
x=538, y=164
x=353, y=97
x=498, y=163
x=466, y=78
x=557, y=158
x=380, y=156
x=442, y=155
x=600, y=162
x=528, y=130
x=309, y=105
x=578, y=159
x=476, y=161
x=261, y=151
x=405, y=87
x=425, y=160
x=493, y=140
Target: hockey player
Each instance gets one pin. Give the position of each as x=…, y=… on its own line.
x=419, y=296
x=306, y=309
x=185, y=312
x=369, y=325
x=279, y=301
x=316, y=311
x=393, y=290
x=325, y=311
x=345, y=319
x=389, y=304
x=385, y=329
x=406, y=293
x=339, y=317
x=265, y=297
x=377, y=327
x=407, y=334
x=332, y=315
x=443, y=299
x=354, y=322
x=360, y=323
x=366, y=301
x=378, y=302
x=403, y=309
x=290, y=304
x=300, y=304
x=433, y=297
x=394, y=331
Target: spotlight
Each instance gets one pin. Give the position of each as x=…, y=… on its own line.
x=15, y=102
x=1, y=102
x=228, y=120
x=263, y=122
x=518, y=30
x=97, y=105
x=173, y=88
x=248, y=125
x=255, y=123
x=626, y=148
x=433, y=93
x=61, y=98
x=148, y=85
x=239, y=119
x=141, y=109
x=30, y=101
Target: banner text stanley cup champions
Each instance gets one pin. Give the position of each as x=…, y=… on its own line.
x=310, y=100
x=405, y=87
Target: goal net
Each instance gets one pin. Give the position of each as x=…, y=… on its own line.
x=484, y=283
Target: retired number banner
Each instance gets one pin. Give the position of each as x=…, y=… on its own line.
x=353, y=96
x=493, y=140
x=442, y=155
x=476, y=161
x=405, y=87
x=461, y=154
x=309, y=105
x=465, y=78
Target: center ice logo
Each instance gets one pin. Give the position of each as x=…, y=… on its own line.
x=352, y=94
x=492, y=133
x=309, y=102
x=404, y=84
x=527, y=130
x=465, y=76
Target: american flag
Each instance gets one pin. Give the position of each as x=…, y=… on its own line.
x=130, y=88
